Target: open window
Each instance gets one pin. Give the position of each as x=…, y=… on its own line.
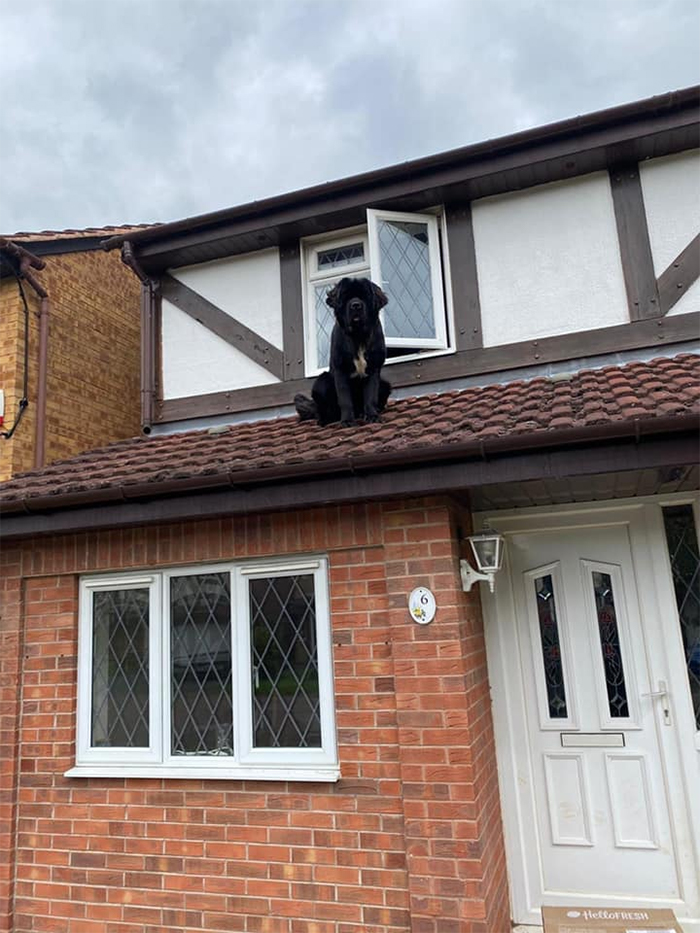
x=400, y=252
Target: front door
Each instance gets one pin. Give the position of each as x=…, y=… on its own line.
x=596, y=792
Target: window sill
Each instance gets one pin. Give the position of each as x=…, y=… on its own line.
x=269, y=773
x=392, y=360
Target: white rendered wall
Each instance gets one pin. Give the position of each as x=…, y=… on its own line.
x=548, y=261
x=247, y=287
x=671, y=190
x=196, y=362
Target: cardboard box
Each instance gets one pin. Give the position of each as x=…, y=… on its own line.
x=609, y=920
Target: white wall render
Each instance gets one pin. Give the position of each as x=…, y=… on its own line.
x=548, y=261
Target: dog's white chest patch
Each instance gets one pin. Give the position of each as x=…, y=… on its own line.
x=360, y=362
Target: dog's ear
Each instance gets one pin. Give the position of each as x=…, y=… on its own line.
x=333, y=298
x=380, y=299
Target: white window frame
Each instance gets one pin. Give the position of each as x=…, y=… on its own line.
x=247, y=762
x=442, y=343
x=439, y=342
x=314, y=277
x=85, y=751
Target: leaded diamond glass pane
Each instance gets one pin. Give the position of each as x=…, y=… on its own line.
x=120, y=668
x=201, y=666
x=284, y=659
x=340, y=256
x=682, y=541
x=551, y=649
x=405, y=261
x=325, y=319
x=610, y=645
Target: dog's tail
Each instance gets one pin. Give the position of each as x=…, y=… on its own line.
x=306, y=408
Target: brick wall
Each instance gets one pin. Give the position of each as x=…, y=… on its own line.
x=17, y=454
x=93, y=386
x=408, y=840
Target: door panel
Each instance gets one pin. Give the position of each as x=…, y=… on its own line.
x=601, y=806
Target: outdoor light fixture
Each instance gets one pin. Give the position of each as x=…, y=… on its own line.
x=487, y=548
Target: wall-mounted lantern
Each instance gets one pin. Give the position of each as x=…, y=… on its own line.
x=487, y=548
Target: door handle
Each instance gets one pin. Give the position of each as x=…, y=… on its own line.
x=661, y=693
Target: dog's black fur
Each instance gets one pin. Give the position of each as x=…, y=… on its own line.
x=353, y=387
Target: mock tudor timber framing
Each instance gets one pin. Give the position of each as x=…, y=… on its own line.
x=675, y=281
x=633, y=239
x=664, y=125
x=224, y=325
x=616, y=338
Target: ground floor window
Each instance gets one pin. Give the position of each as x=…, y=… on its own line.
x=213, y=670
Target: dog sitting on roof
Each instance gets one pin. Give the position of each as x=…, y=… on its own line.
x=352, y=388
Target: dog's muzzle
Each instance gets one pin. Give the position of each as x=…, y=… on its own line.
x=356, y=312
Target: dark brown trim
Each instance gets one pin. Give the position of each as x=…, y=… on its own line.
x=148, y=357
x=237, y=400
x=400, y=481
x=617, y=338
x=621, y=126
x=486, y=172
x=465, y=281
x=675, y=281
x=292, y=311
x=41, y=389
x=633, y=237
x=235, y=333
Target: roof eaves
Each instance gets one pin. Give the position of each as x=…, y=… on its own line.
x=637, y=111
x=635, y=430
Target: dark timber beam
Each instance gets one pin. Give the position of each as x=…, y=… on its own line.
x=633, y=237
x=148, y=355
x=292, y=311
x=465, y=283
x=675, y=281
x=235, y=333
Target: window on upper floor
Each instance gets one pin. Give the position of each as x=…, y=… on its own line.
x=403, y=254
x=220, y=671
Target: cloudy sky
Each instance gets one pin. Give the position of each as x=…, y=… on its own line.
x=130, y=111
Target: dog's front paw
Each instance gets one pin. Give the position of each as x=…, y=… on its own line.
x=348, y=423
x=371, y=415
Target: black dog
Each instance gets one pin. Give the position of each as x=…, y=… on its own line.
x=353, y=387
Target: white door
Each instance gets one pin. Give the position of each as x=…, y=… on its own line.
x=596, y=794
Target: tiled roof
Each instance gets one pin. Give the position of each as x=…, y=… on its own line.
x=611, y=401
x=43, y=235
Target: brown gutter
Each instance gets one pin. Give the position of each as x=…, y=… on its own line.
x=21, y=254
x=28, y=261
x=40, y=425
x=129, y=259
x=475, y=449
x=685, y=98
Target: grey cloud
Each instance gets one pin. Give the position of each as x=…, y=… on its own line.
x=143, y=110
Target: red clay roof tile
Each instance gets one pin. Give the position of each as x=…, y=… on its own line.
x=70, y=234
x=411, y=431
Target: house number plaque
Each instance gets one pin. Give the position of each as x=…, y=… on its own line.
x=421, y=605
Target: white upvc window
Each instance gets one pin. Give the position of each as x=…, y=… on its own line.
x=327, y=262
x=400, y=252
x=219, y=671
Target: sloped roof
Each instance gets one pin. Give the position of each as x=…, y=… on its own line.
x=639, y=398
x=74, y=234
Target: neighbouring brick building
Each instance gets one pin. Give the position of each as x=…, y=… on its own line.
x=217, y=712
x=92, y=323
